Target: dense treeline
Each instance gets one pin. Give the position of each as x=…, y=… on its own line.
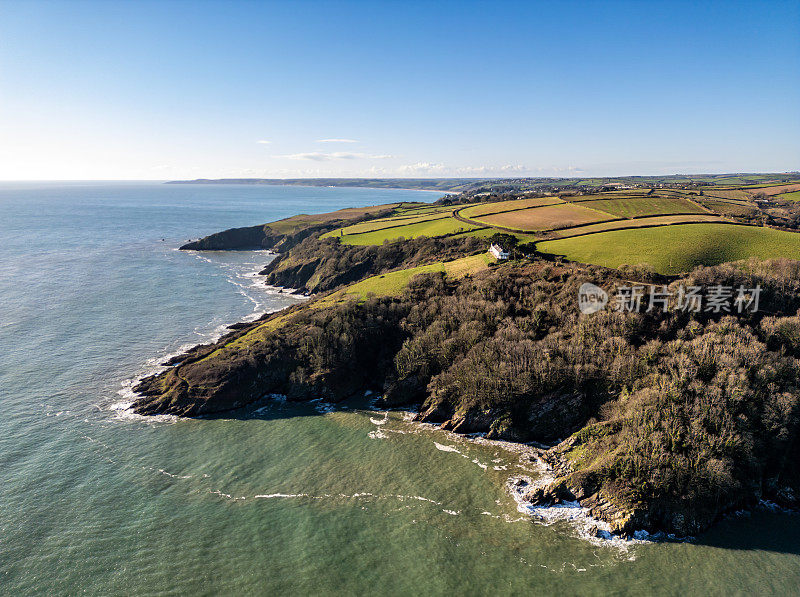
x=679, y=416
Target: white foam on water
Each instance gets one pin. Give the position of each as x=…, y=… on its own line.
x=445, y=448
x=419, y=498
x=382, y=421
x=586, y=527
x=226, y=495
x=163, y=472
x=246, y=282
x=356, y=496
x=123, y=412
x=275, y=401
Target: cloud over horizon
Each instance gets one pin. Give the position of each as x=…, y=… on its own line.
x=319, y=156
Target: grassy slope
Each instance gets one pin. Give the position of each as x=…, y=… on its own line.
x=794, y=196
x=394, y=282
x=676, y=249
x=644, y=206
x=637, y=223
x=295, y=223
x=389, y=284
x=729, y=208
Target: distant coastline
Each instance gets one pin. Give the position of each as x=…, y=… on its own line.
x=448, y=185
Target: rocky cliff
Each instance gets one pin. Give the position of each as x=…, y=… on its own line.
x=661, y=420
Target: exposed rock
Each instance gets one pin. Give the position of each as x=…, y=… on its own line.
x=402, y=392
x=250, y=237
x=435, y=413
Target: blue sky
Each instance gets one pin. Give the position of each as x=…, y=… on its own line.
x=161, y=90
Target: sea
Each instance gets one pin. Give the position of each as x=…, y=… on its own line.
x=281, y=498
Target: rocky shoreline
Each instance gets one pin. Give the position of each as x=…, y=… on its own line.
x=657, y=421
x=554, y=493
x=556, y=488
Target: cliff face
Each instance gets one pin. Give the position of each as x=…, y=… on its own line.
x=302, y=352
x=322, y=264
x=671, y=418
x=250, y=237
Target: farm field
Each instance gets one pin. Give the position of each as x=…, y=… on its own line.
x=676, y=249
x=572, y=217
x=625, y=193
x=735, y=194
x=730, y=208
x=384, y=223
x=637, y=223
x=643, y=206
x=545, y=218
x=742, y=180
x=776, y=190
x=502, y=206
x=437, y=227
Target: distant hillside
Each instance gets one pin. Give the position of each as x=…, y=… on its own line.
x=425, y=184
x=506, y=185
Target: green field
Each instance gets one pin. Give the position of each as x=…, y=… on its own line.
x=734, y=194
x=794, y=196
x=437, y=227
x=730, y=208
x=394, y=282
x=637, y=223
x=644, y=206
x=675, y=249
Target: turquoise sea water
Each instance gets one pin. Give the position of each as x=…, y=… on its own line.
x=280, y=499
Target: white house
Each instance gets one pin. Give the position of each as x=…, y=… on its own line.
x=498, y=252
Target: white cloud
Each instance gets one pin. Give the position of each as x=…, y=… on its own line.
x=421, y=168
x=319, y=156
x=336, y=141
x=263, y=142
